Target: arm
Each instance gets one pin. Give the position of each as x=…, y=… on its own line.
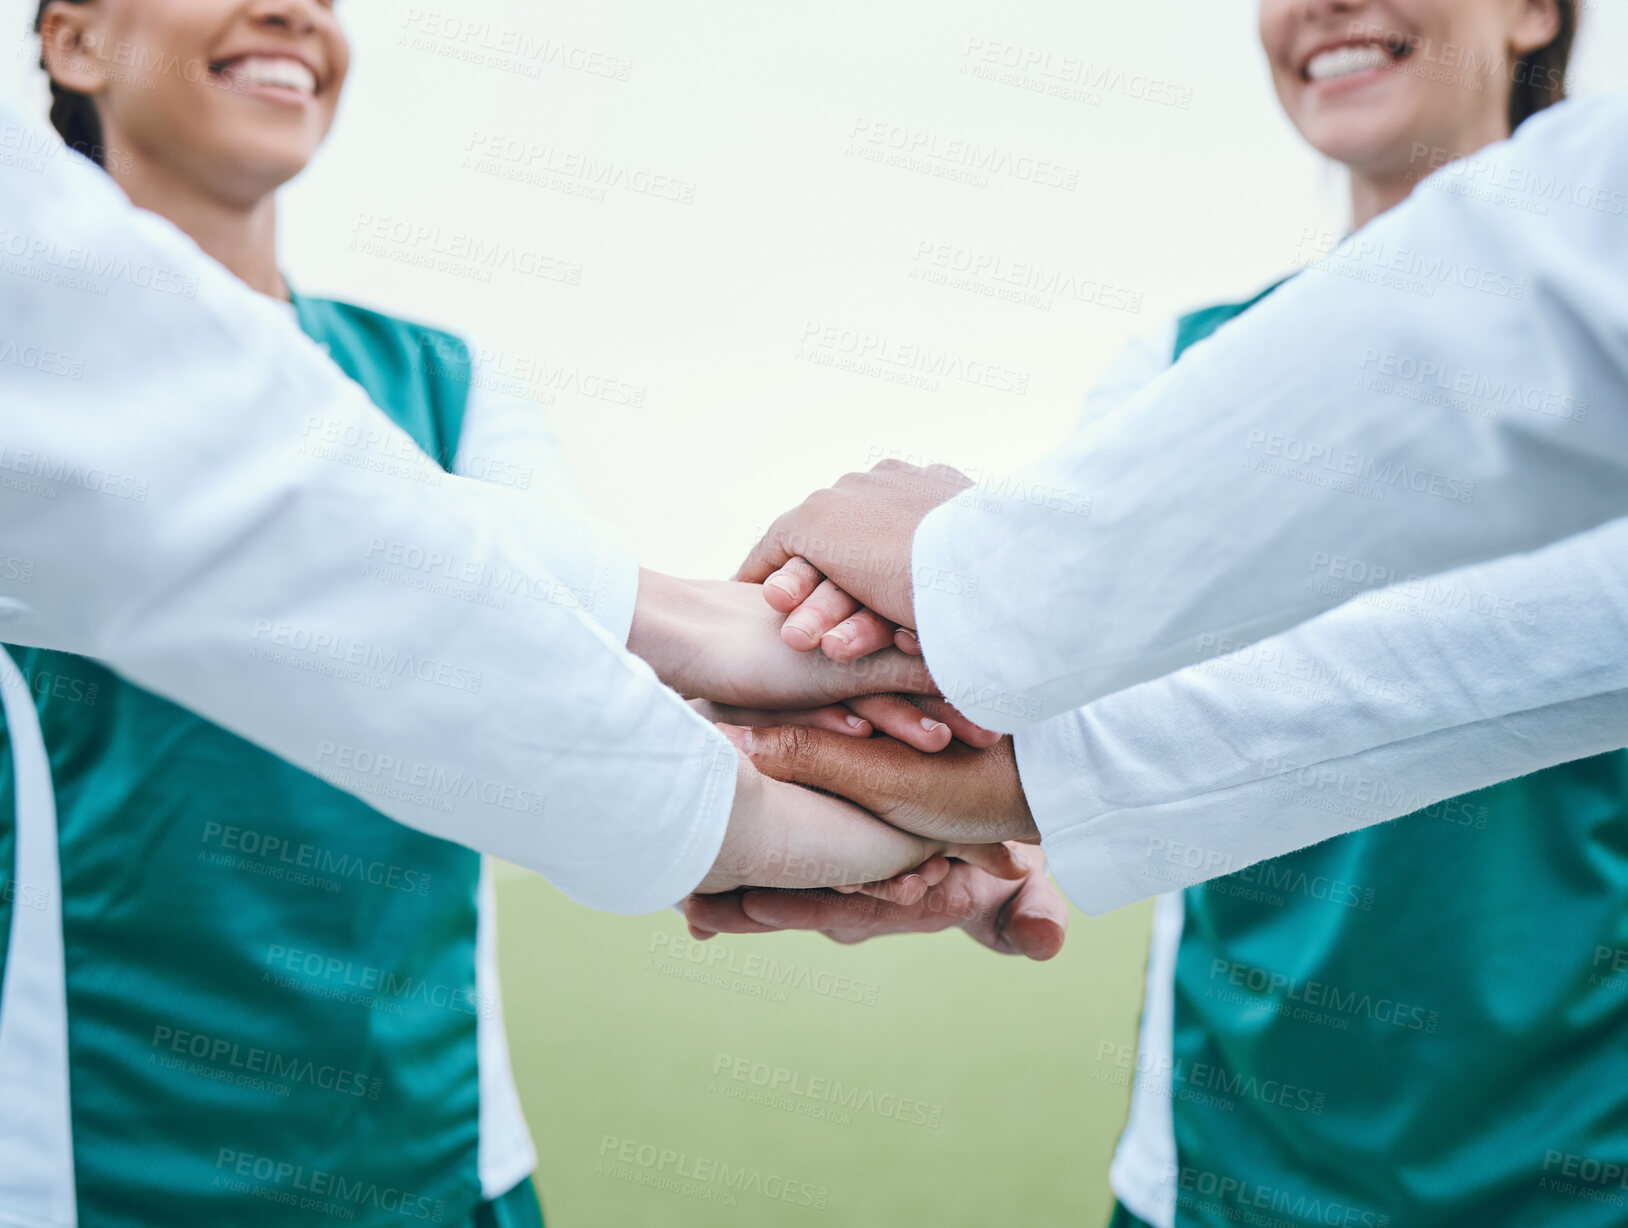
x=1283, y=439
x=1400, y=699
x=506, y=442
x=1403, y=697
x=705, y=638
x=166, y=512
x=1303, y=429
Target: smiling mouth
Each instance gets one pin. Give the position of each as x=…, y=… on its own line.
x=1353, y=58
x=276, y=71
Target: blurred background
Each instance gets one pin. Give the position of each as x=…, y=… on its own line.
x=678, y=228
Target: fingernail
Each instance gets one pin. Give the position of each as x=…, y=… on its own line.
x=858, y=723
x=843, y=632
x=932, y=726
x=906, y=632
x=801, y=627
x=783, y=585
x=911, y=888
x=736, y=735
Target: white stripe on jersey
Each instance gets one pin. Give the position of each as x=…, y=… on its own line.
x=505, y=1154
x=1145, y=1161
x=36, y=1129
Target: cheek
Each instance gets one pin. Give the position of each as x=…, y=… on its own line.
x=1290, y=90
x=1275, y=25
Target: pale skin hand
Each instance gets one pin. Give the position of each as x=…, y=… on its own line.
x=1022, y=917
x=780, y=835
x=817, y=616
x=718, y=639
x=858, y=535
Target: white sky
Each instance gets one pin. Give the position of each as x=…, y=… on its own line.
x=704, y=305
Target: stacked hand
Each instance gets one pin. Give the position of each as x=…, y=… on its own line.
x=896, y=839
x=962, y=794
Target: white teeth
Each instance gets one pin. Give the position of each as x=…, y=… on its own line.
x=1343, y=61
x=273, y=70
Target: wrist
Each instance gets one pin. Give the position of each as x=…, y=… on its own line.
x=741, y=852
x=662, y=630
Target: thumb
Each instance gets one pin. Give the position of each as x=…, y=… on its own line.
x=765, y=558
x=1036, y=918
x=1001, y=860
x=859, y=769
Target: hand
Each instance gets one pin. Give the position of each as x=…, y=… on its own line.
x=858, y=534
x=921, y=721
x=960, y=794
x=718, y=640
x=781, y=835
x=1022, y=917
x=821, y=615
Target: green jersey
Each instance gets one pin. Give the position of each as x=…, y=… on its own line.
x=1422, y=1023
x=277, y=1004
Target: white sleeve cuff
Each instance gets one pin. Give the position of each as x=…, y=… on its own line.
x=1052, y=767
x=1106, y=851
x=953, y=623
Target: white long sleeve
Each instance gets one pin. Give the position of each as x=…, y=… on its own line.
x=1446, y=387
x=505, y=441
x=163, y=507
x=1397, y=701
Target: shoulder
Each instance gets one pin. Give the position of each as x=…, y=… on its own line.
x=420, y=376
x=383, y=334
x=1150, y=354
x=1195, y=326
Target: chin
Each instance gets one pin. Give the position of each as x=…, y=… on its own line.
x=252, y=171
x=1361, y=142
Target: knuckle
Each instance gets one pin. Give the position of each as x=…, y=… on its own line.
x=796, y=744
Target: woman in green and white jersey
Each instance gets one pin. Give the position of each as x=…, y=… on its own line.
x=277, y=1005
x=1422, y=1023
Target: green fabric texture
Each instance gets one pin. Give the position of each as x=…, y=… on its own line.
x=1122, y=1218
x=1419, y=1024
x=271, y=987
x=518, y=1208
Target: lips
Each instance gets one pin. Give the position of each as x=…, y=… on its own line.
x=281, y=72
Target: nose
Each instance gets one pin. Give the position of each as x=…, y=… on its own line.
x=1322, y=10
x=298, y=16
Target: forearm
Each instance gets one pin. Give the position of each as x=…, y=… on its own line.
x=1201, y=506
x=166, y=513
x=1395, y=701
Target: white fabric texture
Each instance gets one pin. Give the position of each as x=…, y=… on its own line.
x=36, y=1124
x=1144, y=1165
x=154, y=475
x=1386, y=705
x=505, y=1153
x=1310, y=428
x=506, y=442
x=1401, y=698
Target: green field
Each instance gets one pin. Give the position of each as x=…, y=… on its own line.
x=921, y=1079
